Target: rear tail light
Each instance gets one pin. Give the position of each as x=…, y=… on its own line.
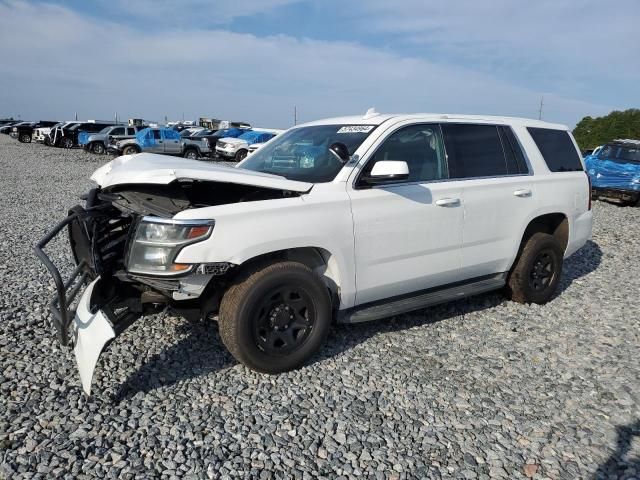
x=590, y=194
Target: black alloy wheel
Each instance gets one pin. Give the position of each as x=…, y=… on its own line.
x=283, y=320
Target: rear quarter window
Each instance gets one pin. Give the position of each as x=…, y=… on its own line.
x=557, y=149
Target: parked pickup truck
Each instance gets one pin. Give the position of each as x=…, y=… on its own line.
x=99, y=142
x=67, y=135
x=165, y=141
x=238, y=148
x=23, y=132
x=420, y=209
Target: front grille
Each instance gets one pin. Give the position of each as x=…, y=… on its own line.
x=109, y=238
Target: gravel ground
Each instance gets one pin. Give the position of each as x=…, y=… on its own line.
x=479, y=388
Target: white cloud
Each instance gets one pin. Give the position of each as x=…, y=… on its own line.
x=66, y=63
x=565, y=43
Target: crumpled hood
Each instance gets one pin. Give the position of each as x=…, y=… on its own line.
x=163, y=169
x=610, y=174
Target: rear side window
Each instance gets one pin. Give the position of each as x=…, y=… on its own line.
x=516, y=163
x=131, y=131
x=156, y=134
x=474, y=151
x=117, y=131
x=557, y=149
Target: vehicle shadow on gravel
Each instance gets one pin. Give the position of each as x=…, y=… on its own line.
x=619, y=465
x=202, y=351
x=581, y=263
x=198, y=354
x=345, y=337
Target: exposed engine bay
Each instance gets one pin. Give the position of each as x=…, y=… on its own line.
x=167, y=200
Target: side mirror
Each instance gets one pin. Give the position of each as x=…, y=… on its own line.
x=340, y=151
x=388, y=171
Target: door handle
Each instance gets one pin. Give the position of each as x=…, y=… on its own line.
x=525, y=192
x=448, y=202
x=159, y=141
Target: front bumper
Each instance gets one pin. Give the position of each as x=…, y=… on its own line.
x=13, y=135
x=620, y=193
x=225, y=153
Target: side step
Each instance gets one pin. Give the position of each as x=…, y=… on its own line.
x=424, y=299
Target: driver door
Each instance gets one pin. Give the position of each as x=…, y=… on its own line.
x=408, y=235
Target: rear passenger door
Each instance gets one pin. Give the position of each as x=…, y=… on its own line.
x=498, y=191
x=172, y=144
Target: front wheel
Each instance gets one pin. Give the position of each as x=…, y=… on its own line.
x=275, y=317
x=130, y=150
x=66, y=142
x=241, y=155
x=97, y=148
x=25, y=138
x=191, y=154
x=537, y=271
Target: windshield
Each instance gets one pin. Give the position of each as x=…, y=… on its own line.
x=202, y=133
x=620, y=153
x=303, y=153
x=105, y=130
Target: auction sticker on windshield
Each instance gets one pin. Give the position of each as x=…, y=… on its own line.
x=356, y=129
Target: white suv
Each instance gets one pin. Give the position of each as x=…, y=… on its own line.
x=341, y=220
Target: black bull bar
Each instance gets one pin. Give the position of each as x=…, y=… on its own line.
x=66, y=291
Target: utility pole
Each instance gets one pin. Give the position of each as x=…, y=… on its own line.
x=540, y=111
x=295, y=115
x=76, y=115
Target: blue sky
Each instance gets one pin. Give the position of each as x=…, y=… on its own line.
x=253, y=60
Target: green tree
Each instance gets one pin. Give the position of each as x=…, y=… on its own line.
x=591, y=132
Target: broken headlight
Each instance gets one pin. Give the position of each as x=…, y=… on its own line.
x=158, y=241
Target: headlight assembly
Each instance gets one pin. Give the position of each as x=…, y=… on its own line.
x=158, y=241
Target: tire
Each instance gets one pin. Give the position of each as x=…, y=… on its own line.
x=130, y=150
x=25, y=138
x=535, y=276
x=275, y=317
x=241, y=155
x=97, y=148
x=191, y=153
x=66, y=142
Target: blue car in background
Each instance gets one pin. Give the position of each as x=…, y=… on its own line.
x=614, y=170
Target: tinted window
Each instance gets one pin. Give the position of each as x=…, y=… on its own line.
x=557, y=149
x=474, y=151
x=156, y=134
x=516, y=163
x=118, y=131
x=131, y=131
x=620, y=153
x=418, y=145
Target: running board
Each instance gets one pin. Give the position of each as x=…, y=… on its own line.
x=421, y=300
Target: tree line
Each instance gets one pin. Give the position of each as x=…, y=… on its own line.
x=591, y=132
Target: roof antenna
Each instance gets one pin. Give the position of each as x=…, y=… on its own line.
x=370, y=113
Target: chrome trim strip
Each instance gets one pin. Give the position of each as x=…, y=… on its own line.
x=173, y=221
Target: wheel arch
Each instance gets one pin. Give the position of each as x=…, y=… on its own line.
x=556, y=224
x=318, y=259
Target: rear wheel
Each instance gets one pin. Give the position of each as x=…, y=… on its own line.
x=537, y=271
x=275, y=317
x=25, y=138
x=66, y=142
x=241, y=155
x=191, y=153
x=97, y=148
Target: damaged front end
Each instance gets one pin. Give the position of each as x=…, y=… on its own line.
x=124, y=244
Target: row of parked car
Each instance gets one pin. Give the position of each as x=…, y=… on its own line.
x=100, y=137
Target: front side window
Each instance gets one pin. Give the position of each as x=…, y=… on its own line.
x=557, y=149
x=118, y=131
x=156, y=134
x=420, y=146
x=474, y=150
x=303, y=153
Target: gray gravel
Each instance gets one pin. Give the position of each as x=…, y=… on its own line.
x=480, y=388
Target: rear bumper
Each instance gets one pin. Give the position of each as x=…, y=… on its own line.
x=579, y=232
